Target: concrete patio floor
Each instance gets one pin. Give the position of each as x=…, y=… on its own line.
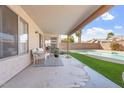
x=73, y=74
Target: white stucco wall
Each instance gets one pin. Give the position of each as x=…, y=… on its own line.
x=9, y=67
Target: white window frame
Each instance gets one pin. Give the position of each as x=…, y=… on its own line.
x=21, y=19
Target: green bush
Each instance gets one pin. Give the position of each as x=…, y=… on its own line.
x=115, y=46
x=56, y=52
x=63, y=52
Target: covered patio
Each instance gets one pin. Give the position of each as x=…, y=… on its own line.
x=46, y=23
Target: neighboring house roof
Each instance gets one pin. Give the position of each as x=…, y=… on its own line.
x=117, y=38
x=113, y=38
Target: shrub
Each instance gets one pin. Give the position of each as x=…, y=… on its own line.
x=63, y=52
x=56, y=52
x=115, y=46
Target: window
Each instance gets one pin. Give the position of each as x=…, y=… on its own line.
x=13, y=34
x=23, y=36
x=8, y=32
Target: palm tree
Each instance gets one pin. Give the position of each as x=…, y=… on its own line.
x=78, y=34
x=109, y=35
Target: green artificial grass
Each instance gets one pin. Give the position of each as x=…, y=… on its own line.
x=112, y=71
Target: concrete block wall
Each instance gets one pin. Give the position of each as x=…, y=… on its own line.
x=79, y=46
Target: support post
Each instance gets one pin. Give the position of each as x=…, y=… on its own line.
x=68, y=47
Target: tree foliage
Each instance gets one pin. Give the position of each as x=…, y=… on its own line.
x=78, y=34
x=71, y=39
x=110, y=34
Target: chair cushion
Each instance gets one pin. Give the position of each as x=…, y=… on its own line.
x=40, y=49
x=34, y=50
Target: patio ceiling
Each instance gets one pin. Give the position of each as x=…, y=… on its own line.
x=61, y=19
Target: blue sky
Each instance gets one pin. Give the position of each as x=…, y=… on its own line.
x=111, y=21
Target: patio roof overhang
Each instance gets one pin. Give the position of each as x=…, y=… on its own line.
x=63, y=19
x=94, y=15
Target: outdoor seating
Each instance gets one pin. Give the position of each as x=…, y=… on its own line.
x=38, y=55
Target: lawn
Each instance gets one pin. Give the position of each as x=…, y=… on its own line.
x=112, y=71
